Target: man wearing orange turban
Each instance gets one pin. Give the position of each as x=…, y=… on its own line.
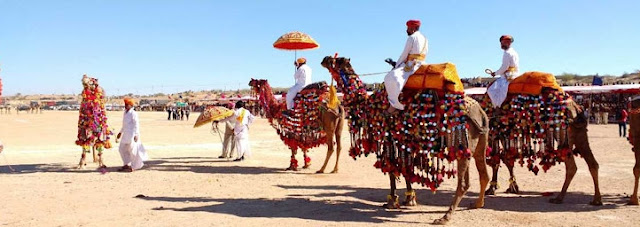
x=508, y=71
x=412, y=57
x=302, y=77
x=131, y=149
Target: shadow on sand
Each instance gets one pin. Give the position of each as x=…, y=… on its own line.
x=523, y=202
x=302, y=208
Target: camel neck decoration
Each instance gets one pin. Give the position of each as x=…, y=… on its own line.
x=309, y=124
x=93, y=131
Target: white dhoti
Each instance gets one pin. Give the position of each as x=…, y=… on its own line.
x=291, y=94
x=242, y=147
x=394, y=81
x=498, y=91
x=133, y=154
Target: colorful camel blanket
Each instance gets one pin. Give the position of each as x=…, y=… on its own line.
x=301, y=126
x=529, y=127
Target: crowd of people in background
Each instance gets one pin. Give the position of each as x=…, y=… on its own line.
x=178, y=113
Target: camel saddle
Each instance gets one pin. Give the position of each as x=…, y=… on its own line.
x=443, y=76
x=532, y=83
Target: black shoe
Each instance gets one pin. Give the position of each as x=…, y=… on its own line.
x=239, y=159
x=221, y=156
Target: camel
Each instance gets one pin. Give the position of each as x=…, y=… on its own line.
x=571, y=138
x=634, y=138
x=329, y=121
x=93, y=131
x=399, y=139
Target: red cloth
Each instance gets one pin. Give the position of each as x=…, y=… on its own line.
x=413, y=23
x=623, y=116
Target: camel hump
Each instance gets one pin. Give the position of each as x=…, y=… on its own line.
x=443, y=76
x=533, y=83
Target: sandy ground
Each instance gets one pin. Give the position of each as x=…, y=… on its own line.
x=186, y=185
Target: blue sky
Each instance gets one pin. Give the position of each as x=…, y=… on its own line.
x=148, y=47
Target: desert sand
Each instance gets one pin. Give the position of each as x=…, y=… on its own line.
x=185, y=184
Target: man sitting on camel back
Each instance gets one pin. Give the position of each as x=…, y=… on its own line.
x=412, y=57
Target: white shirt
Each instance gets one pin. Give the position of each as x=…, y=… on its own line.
x=302, y=76
x=416, y=44
x=241, y=127
x=509, y=59
x=130, y=126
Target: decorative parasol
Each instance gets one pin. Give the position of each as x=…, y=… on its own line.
x=295, y=41
x=215, y=113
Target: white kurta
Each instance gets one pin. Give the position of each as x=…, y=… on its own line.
x=133, y=153
x=394, y=80
x=509, y=69
x=241, y=119
x=303, y=78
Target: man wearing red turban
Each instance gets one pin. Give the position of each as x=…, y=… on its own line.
x=412, y=57
x=302, y=77
x=508, y=71
x=131, y=149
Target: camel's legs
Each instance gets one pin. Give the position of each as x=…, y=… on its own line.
x=494, y=180
x=513, y=185
x=338, y=137
x=392, y=198
x=95, y=158
x=571, y=170
x=410, y=195
x=307, y=159
x=82, y=160
x=463, y=186
x=636, y=172
x=329, y=152
x=293, y=164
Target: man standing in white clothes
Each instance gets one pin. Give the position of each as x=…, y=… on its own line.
x=302, y=77
x=131, y=149
x=508, y=71
x=412, y=57
x=241, y=120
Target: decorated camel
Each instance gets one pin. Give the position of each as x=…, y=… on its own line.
x=634, y=138
x=439, y=125
x=313, y=121
x=93, y=131
x=538, y=121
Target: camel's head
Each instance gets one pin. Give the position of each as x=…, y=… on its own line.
x=340, y=68
x=88, y=82
x=338, y=64
x=256, y=84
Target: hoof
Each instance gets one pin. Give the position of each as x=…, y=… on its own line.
x=410, y=199
x=633, y=202
x=595, y=203
x=475, y=206
x=334, y=171
x=441, y=221
x=392, y=202
x=320, y=171
x=490, y=191
x=555, y=201
x=513, y=189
